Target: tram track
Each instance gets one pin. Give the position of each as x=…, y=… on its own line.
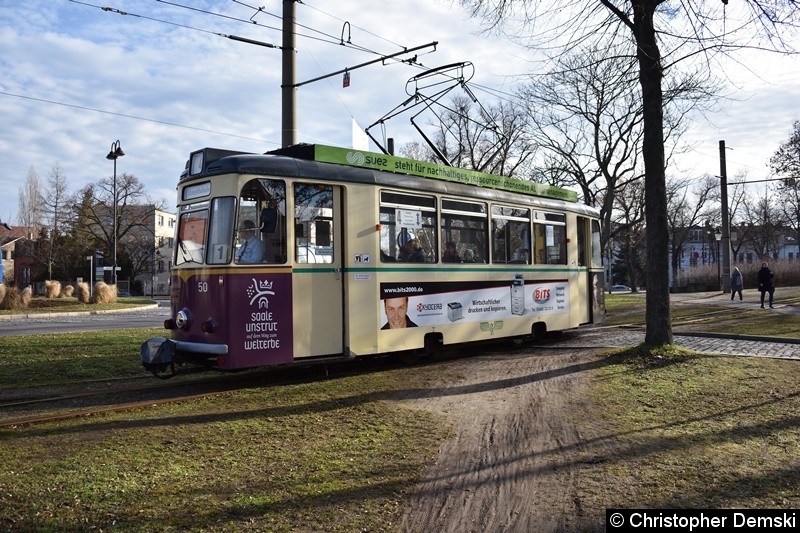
x=46, y=397
x=70, y=405
x=52, y=404
x=29, y=394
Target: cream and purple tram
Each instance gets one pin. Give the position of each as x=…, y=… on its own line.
x=314, y=252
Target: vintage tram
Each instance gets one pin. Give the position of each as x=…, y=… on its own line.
x=312, y=253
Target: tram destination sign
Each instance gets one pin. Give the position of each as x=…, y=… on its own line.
x=401, y=165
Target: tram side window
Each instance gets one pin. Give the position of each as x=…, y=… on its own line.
x=511, y=235
x=550, y=239
x=597, y=249
x=192, y=226
x=261, y=233
x=466, y=224
x=313, y=222
x=220, y=230
x=408, y=228
x=583, y=228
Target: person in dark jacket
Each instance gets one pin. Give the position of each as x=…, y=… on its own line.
x=766, y=283
x=736, y=283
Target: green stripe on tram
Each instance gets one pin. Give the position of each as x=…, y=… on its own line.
x=305, y=270
x=468, y=269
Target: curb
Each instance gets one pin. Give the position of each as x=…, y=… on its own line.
x=78, y=313
x=735, y=336
x=729, y=336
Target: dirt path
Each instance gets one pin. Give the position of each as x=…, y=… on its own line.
x=515, y=460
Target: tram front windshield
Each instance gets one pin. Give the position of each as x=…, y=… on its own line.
x=245, y=230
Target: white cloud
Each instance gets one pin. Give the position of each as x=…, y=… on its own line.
x=86, y=58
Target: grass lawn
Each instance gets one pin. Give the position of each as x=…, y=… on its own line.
x=41, y=305
x=698, y=431
x=330, y=455
x=664, y=429
x=701, y=315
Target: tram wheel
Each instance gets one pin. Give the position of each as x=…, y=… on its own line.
x=412, y=357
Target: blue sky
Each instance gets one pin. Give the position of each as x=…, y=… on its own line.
x=75, y=78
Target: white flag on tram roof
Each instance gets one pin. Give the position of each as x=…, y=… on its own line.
x=360, y=139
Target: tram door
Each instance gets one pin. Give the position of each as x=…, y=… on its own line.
x=584, y=282
x=318, y=282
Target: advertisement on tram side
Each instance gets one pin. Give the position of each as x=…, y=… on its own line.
x=433, y=304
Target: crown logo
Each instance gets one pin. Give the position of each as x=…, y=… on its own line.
x=259, y=290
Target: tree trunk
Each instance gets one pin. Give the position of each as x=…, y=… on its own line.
x=658, y=319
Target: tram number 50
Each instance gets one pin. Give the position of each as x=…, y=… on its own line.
x=202, y=286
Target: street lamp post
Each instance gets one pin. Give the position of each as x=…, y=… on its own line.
x=718, y=237
x=156, y=255
x=113, y=154
x=726, y=221
x=90, y=258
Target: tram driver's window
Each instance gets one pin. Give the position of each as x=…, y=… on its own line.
x=550, y=239
x=408, y=228
x=192, y=227
x=220, y=230
x=261, y=223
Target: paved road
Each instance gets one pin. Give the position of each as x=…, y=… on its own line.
x=34, y=324
x=154, y=316
x=700, y=342
x=786, y=302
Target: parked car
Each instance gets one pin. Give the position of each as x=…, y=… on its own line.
x=620, y=288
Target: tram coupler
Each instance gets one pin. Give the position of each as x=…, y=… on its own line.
x=158, y=355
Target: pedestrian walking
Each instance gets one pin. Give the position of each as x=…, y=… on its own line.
x=766, y=283
x=737, y=284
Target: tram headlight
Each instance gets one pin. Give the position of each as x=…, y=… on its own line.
x=182, y=319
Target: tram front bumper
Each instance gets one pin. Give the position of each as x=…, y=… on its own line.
x=159, y=352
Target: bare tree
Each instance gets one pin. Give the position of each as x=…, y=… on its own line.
x=737, y=200
x=587, y=117
x=630, y=231
x=30, y=202
x=661, y=35
x=93, y=207
x=785, y=164
x=418, y=151
x=764, y=233
x=56, y=214
x=491, y=139
x=688, y=207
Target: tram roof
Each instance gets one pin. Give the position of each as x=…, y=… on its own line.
x=330, y=163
